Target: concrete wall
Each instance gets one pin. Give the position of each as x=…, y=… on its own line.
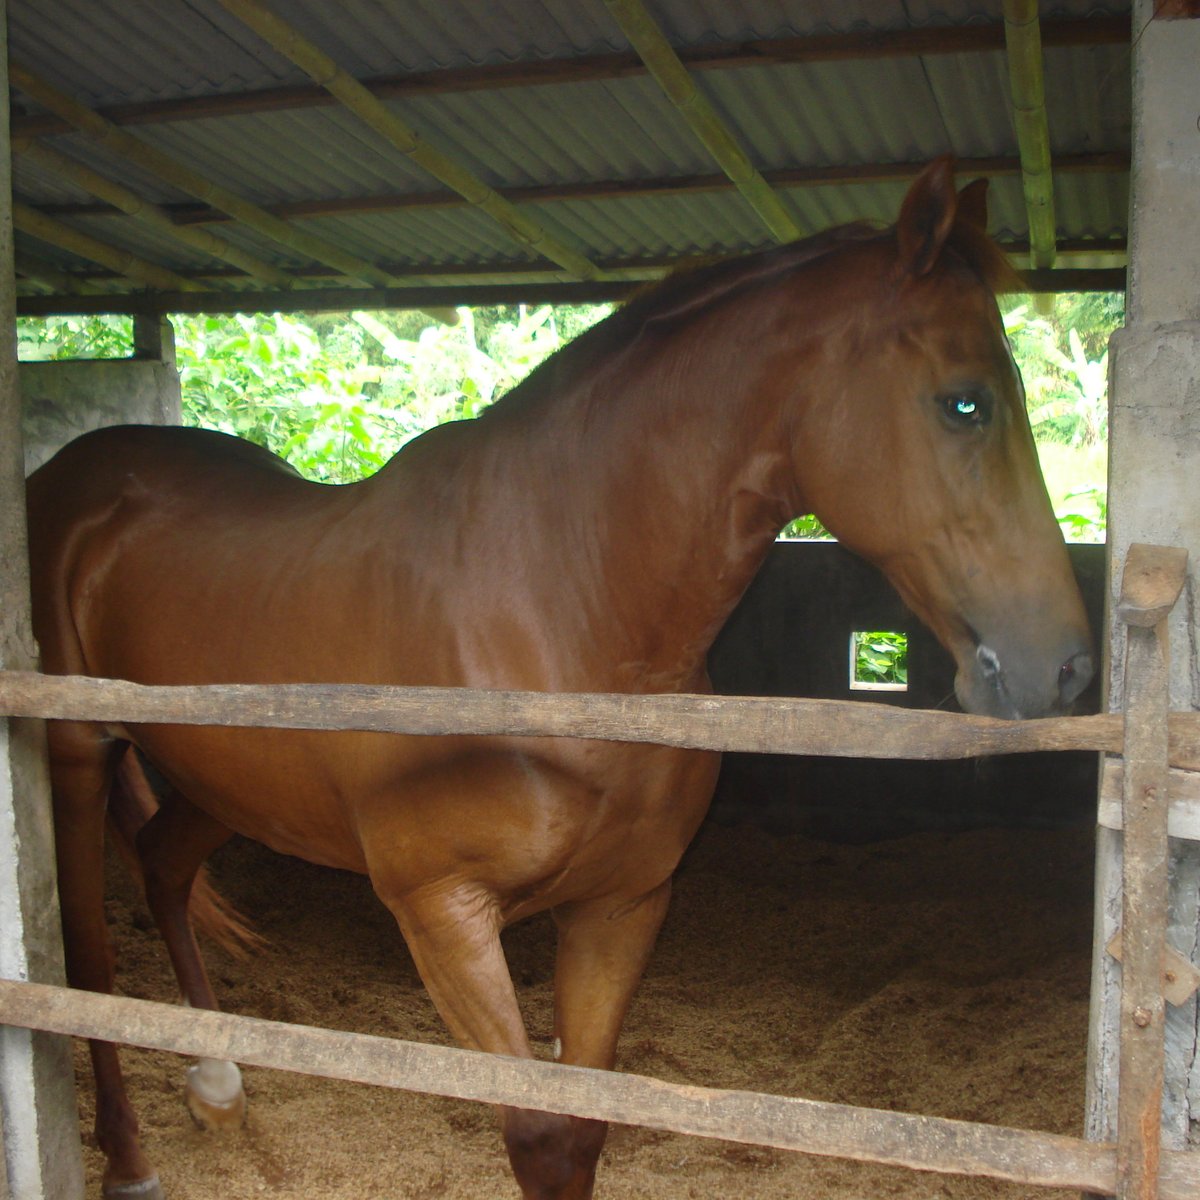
x=61, y=400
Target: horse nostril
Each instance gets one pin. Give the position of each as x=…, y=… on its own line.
x=1074, y=675
x=989, y=661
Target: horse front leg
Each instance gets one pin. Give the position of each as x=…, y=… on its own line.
x=603, y=948
x=454, y=937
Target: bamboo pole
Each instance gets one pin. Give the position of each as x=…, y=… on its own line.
x=1023, y=38
x=58, y=281
x=680, y=88
x=149, y=158
x=747, y=724
x=360, y=101
x=133, y=205
x=46, y=229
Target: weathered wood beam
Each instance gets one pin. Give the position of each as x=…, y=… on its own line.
x=718, y=139
x=513, y=291
x=746, y=724
x=590, y=68
x=129, y=203
x=935, y=1144
x=123, y=145
x=1026, y=84
x=517, y=289
x=1151, y=584
x=359, y=100
x=46, y=229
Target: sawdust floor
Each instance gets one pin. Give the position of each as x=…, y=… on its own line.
x=942, y=974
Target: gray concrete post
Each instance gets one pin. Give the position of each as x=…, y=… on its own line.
x=37, y=1088
x=1154, y=496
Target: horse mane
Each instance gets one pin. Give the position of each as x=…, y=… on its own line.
x=689, y=290
x=678, y=295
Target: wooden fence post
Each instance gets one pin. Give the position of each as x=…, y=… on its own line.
x=1151, y=584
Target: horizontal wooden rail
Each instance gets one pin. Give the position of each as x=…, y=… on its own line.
x=755, y=724
x=813, y=1127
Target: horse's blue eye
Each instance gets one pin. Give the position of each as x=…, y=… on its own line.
x=967, y=408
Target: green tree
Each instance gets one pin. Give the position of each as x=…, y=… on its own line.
x=40, y=339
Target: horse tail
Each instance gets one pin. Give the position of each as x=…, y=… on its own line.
x=131, y=804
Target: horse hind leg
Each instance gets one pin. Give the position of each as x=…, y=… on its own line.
x=81, y=771
x=171, y=844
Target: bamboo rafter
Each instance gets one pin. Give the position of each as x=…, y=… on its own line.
x=150, y=158
x=46, y=229
x=132, y=205
x=680, y=88
x=359, y=100
x=1026, y=82
x=47, y=275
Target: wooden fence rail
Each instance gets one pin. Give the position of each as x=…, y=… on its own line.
x=754, y=724
x=814, y=1127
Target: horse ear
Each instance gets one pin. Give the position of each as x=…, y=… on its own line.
x=972, y=205
x=927, y=216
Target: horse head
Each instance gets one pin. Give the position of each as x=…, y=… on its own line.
x=920, y=456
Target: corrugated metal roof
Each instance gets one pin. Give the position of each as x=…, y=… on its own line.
x=617, y=131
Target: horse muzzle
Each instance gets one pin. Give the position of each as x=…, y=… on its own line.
x=1018, y=686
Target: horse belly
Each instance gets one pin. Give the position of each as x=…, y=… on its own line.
x=291, y=790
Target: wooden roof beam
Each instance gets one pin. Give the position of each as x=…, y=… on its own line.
x=1023, y=37
x=359, y=100
x=869, y=44
x=718, y=139
x=606, y=189
x=125, y=146
x=336, y=299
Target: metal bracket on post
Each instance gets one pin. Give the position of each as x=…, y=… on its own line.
x=1151, y=584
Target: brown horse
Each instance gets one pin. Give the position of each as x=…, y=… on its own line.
x=590, y=532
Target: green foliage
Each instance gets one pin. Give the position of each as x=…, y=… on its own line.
x=40, y=339
x=338, y=397
x=1084, y=517
x=805, y=529
x=881, y=656
x=1064, y=361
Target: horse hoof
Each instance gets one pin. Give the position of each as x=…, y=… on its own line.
x=138, y=1189
x=214, y=1094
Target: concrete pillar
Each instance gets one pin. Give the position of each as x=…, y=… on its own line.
x=37, y=1089
x=1154, y=496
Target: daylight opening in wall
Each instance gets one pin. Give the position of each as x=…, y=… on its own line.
x=879, y=661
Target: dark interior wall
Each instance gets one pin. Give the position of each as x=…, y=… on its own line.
x=790, y=636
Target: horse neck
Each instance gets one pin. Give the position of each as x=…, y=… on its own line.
x=667, y=477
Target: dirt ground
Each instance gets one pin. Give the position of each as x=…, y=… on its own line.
x=943, y=974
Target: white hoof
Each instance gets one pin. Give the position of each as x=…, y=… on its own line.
x=214, y=1094
x=138, y=1189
